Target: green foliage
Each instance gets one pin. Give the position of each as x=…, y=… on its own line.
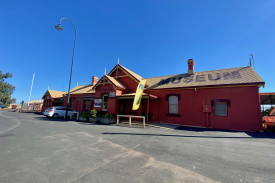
x=6, y=89
x=266, y=112
x=109, y=115
x=93, y=113
x=84, y=114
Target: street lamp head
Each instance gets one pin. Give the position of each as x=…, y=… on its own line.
x=58, y=27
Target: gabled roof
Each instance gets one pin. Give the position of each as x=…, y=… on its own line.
x=54, y=93
x=137, y=77
x=112, y=81
x=223, y=77
x=115, y=82
x=82, y=89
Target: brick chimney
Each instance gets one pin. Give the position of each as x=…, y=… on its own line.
x=191, y=64
x=94, y=80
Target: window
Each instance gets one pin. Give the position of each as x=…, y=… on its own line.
x=104, y=102
x=220, y=108
x=86, y=104
x=71, y=102
x=173, y=104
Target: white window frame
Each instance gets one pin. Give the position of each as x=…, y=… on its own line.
x=104, y=103
x=173, y=106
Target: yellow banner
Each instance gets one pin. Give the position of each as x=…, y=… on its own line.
x=138, y=95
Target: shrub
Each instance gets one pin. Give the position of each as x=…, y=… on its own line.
x=93, y=113
x=109, y=115
x=84, y=114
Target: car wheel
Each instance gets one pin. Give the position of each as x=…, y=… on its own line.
x=55, y=116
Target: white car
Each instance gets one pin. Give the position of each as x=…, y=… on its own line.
x=56, y=112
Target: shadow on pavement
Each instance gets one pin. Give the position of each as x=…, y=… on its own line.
x=6, y=135
x=43, y=118
x=200, y=129
x=266, y=134
x=251, y=134
x=270, y=135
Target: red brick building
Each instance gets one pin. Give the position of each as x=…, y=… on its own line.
x=82, y=97
x=52, y=98
x=224, y=99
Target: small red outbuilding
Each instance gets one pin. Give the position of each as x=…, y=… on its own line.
x=52, y=98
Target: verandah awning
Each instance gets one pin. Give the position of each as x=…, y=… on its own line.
x=86, y=98
x=132, y=96
x=267, y=98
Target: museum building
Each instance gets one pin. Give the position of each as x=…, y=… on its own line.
x=223, y=99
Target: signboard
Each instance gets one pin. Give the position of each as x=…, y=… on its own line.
x=112, y=94
x=97, y=102
x=138, y=95
x=200, y=78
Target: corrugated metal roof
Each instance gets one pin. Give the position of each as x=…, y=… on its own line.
x=82, y=89
x=233, y=76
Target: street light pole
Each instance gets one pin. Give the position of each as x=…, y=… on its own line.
x=58, y=27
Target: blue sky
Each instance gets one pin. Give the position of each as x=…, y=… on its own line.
x=151, y=38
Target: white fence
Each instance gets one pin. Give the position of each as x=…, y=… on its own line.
x=130, y=119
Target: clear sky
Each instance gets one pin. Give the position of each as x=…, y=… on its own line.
x=150, y=37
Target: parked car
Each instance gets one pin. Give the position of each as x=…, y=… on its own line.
x=269, y=120
x=56, y=112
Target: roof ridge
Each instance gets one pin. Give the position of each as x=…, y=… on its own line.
x=131, y=72
x=253, y=70
x=56, y=90
x=115, y=80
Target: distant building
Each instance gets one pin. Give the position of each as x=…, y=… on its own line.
x=52, y=98
x=82, y=97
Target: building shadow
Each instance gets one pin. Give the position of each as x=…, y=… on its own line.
x=251, y=135
x=43, y=118
x=269, y=135
x=255, y=134
x=201, y=129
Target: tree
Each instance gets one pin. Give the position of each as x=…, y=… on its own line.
x=6, y=89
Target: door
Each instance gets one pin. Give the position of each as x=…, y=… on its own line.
x=121, y=107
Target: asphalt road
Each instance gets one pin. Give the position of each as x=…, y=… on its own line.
x=36, y=149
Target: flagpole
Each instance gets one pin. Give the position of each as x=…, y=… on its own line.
x=31, y=91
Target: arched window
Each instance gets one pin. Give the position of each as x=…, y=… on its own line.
x=173, y=104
